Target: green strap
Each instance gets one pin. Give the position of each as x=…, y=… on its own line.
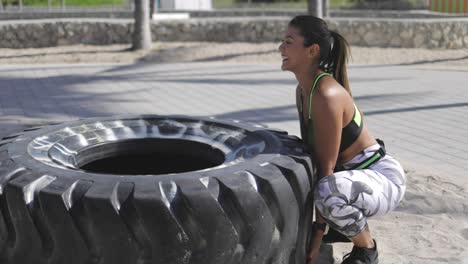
x=300, y=98
x=366, y=164
x=313, y=89
x=357, y=116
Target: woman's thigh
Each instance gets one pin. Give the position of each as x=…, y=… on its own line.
x=369, y=191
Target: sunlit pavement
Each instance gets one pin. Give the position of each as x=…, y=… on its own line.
x=420, y=113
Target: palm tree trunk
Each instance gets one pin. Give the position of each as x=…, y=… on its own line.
x=315, y=8
x=142, y=26
x=326, y=8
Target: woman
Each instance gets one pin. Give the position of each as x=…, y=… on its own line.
x=356, y=179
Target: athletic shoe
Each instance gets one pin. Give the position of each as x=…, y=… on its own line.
x=362, y=256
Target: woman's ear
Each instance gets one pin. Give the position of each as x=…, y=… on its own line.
x=314, y=51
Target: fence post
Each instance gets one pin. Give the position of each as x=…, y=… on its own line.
x=20, y=3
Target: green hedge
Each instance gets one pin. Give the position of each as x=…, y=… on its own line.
x=334, y=4
x=67, y=2
x=389, y=4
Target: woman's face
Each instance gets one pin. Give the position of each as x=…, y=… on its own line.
x=293, y=53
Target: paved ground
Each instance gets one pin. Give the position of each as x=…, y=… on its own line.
x=419, y=112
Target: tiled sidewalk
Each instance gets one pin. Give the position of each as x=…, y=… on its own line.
x=420, y=113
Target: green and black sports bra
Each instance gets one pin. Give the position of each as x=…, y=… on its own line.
x=349, y=133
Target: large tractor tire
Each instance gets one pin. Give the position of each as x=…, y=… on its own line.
x=154, y=189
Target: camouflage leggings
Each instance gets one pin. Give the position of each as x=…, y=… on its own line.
x=347, y=198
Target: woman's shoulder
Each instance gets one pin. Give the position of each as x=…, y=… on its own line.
x=329, y=88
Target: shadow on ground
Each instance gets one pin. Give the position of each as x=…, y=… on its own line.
x=40, y=94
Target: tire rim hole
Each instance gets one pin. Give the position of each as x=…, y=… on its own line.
x=149, y=157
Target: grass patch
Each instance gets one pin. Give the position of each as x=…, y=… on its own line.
x=69, y=2
x=217, y=4
x=302, y=4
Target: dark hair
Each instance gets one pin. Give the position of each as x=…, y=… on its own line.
x=334, y=48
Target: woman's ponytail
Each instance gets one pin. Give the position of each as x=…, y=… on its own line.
x=334, y=49
x=338, y=58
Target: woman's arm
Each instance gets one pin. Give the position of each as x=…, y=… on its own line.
x=327, y=113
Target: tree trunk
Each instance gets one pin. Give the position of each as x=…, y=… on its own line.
x=326, y=8
x=152, y=8
x=142, y=29
x=315, y=8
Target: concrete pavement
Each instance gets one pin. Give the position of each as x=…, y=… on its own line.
x=421, y=113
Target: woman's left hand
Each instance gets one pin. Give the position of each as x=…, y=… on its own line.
x=313, y=257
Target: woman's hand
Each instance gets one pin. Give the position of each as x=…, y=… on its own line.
x=314, y=251
x=317, y=236
x=313, y=257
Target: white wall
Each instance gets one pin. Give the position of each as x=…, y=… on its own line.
x=186, y=4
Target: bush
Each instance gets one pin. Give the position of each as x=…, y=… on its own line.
x=67, y=2
x=264, y=1
x=387, y=4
